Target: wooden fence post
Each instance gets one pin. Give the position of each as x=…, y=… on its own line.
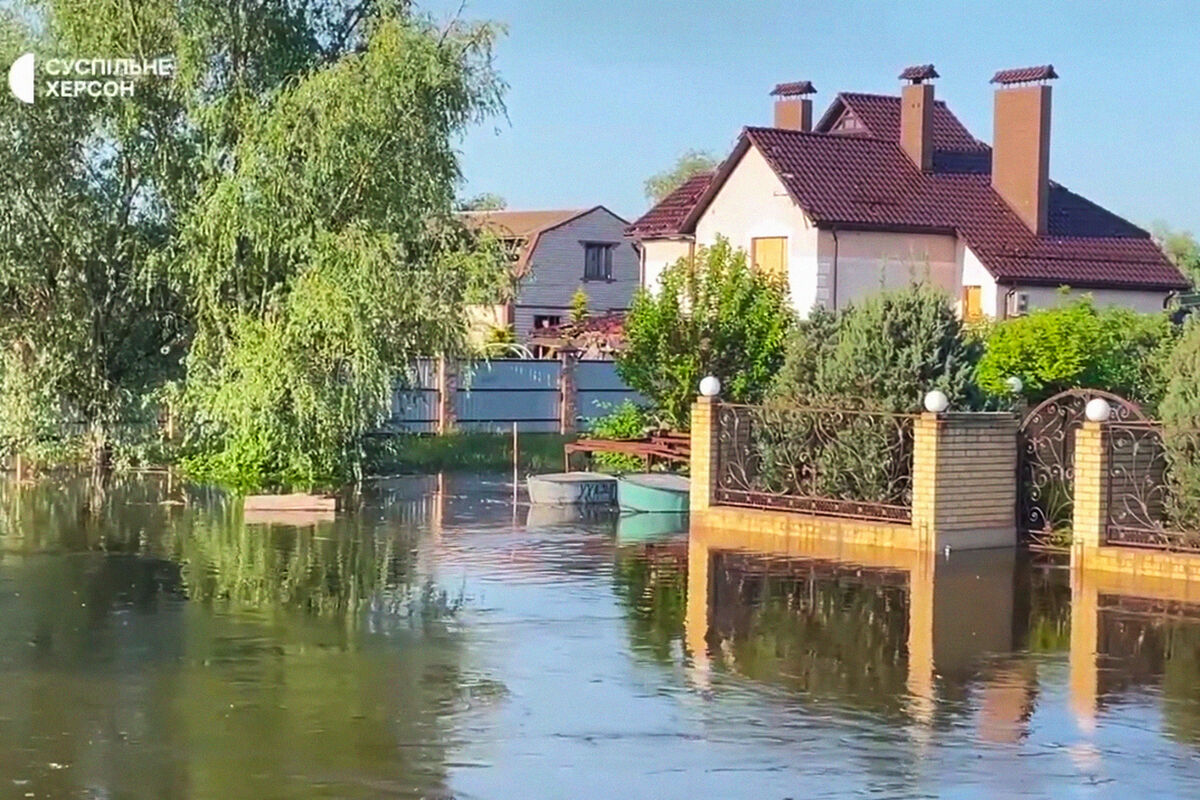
x=447, y=391
x=568, y=390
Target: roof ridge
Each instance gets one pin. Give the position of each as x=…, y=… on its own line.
x=861, y=137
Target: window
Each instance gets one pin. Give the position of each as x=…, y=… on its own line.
x=769, y=255
x=546, y=321
x=972, y=303
x=597, y=261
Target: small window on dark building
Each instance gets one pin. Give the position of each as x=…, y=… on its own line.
x=597, y=261
x=546, y=320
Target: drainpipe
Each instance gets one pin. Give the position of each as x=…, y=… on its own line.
x=1171, y=295
x=833, y=278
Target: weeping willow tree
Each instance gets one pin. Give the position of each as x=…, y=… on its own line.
x=263, y=239
x=324, y=257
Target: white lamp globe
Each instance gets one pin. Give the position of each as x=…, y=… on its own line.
x=710, y=386
x=1097, y=409
x=1014, y=384
x=936, y=401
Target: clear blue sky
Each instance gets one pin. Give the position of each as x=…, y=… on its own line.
x=606, y=92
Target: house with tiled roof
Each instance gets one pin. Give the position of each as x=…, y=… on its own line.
x=555, y=253
x=886, y=190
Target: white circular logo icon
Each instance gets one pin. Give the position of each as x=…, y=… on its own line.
x=20, y=78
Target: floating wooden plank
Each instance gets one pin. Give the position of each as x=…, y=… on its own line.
x=295, y=501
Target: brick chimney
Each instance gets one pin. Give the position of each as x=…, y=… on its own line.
x=793, y=109
x=1021, y=142
x=916, y=115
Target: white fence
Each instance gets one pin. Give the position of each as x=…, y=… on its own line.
x=492, y=395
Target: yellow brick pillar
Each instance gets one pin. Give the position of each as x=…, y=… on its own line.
x=704, y=453
x=965, y=480
x=1091, y=486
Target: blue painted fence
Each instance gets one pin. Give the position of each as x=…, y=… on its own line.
x=492, y=395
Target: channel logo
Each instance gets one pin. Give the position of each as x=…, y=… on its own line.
x=21, y=78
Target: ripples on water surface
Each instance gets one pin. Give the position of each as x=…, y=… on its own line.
x=441, y=643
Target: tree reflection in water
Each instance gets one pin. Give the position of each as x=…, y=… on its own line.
x=154, y=645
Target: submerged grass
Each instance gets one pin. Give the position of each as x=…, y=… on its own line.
x=400, y=454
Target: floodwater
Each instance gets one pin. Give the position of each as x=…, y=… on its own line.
x=440, y=642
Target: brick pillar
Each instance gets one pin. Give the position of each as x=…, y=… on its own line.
x=447, y=391
x=568, y=390
x=704, y=453
x=1091, y=487
x=965, y=480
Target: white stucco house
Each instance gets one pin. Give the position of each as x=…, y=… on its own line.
x=885, y=189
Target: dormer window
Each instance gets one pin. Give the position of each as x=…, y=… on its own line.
x=597, y=261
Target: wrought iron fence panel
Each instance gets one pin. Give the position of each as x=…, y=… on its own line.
x=1145, y=507
x=836, y=462
x=1046, y=463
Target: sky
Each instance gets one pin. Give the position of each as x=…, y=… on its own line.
x=604, y=93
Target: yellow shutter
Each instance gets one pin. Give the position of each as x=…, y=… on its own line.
x=769, y=254
x=972, y=303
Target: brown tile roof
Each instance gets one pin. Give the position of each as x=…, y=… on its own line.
x=793, y=88
x=920, y=72
x=1025, y=74
x=519, y=224
x=853, y=181
x=880, y=115
x=669, y=213
x=866, y=181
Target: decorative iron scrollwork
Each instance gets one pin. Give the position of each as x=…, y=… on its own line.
x=835, y=462
x=1144, y=506
x=1046, y=470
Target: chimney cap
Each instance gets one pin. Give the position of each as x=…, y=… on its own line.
x=793, y=89
x=919, y=73
x=1007, y=77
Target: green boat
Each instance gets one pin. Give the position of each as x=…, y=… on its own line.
x=653, y=491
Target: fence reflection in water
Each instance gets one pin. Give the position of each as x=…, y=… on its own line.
x=835, y=462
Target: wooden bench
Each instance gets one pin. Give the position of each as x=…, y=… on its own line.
x=671, y=447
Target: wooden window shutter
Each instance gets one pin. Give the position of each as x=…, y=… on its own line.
x=972, y=303
x=769, y=255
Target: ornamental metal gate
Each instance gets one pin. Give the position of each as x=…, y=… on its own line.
x=1046, y=463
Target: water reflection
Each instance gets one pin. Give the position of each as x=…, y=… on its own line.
x=439, y=641
x=153, y=645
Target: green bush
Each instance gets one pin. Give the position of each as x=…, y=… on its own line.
x=720, y=318
x=882, y=354
x=626, y=421
x=1079, y=345
x=1180, y=412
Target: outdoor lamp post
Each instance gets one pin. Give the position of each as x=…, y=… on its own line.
x=710, y=386
x=936, y=401
x=1097, y=410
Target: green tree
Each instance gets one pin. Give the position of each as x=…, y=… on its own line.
x=692, y=162
x=883, y=353
x=1182, y=248
x=720, y=318
x=488, y=201
x=579, y=306
x=89, y=185
x=323, y=257
x=1080, y=345
x=1180, y=412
